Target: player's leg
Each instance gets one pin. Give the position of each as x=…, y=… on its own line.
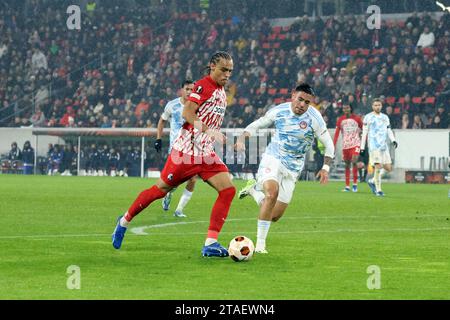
x=226, y=191
x=355, y=172
x=171, y=176
x=271, y=189
x=278, y=210
x=347, y=176
x=143, y=200
x=167, y=199
x=185, y=197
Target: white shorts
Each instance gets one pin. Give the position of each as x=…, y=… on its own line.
x=379, y=156
x=271, y=168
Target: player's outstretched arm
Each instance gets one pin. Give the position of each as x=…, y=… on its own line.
x=325, y=138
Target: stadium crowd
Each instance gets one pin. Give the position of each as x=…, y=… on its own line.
x=126, y=63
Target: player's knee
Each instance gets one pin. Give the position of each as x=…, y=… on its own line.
x=228, y=193
x=271, y=195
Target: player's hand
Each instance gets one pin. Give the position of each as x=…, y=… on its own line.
x=216, y=135
x=158, y=145
x=239, y=146
x=362, y=153
x=323, y=176
x=395, y=144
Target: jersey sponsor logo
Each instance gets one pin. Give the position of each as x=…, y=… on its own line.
x=170, y=177
x=267, y=170
x=199, y=89
x=194, y=95
x=303, y=125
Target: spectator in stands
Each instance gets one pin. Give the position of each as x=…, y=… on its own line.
x=38, y=118
x=426, y=38
x=405, y=121
x=417, y=123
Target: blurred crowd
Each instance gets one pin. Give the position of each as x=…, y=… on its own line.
x=126, y=62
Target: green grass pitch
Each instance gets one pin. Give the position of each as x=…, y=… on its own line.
x=321, y=249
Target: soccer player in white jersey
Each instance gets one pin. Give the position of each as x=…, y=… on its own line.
x=296, y=123
x=377, y=128
x=173, y=111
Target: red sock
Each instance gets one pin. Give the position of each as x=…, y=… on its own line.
x=143, y=200
x=220, y=211
x=355, y=174
x=347, y=176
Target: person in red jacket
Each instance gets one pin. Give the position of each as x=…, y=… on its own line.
x=351, y=127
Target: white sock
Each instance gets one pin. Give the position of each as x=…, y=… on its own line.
x=209, y=241
x=382, y=172
x=123, y=222
x=263, y=230
x=258, y=196
x=377, y=180
x=184, y=200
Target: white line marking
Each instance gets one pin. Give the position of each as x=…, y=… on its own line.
x=139, y=231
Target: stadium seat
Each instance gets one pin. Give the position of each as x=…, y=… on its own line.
x=364, y=52
x=276, y=45
x=430, y=100
x=272, y=37
x=286, y=28
x=353, y=52
x=284, y=91
x=266, y=45
x=272, y=91
x=281, y=36
x=397, y=110
x=417, y=100
x=401, y=100
x=278, y=100
x=390, y=100
x=6, y=166
x=277, y=29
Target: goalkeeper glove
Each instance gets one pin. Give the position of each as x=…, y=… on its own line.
x=158, y=145
x=362, y=153
x=395, y=144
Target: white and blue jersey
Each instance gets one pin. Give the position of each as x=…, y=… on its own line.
x=173, y=111
x=294, y=134
x=377, y=127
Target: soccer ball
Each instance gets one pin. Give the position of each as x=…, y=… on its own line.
x=241, y=248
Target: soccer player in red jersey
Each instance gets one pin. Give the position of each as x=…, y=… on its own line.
x=351, y=126
x=193, y=154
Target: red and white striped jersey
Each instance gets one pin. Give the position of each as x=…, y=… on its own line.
x=351, y=130
x=212, y=100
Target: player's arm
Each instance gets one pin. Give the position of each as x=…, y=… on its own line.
x=322, y=133
x=263, y=122
x=364, y=137
x=325, y=139
x=391, y=135
x=336, y=133
x=159, y=131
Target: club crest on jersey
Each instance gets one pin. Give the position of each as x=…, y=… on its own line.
x=267, y=170
x=170, y=177
x=199, y=89
x=303, y=125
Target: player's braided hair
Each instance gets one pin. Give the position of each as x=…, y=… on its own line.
x=216, y=58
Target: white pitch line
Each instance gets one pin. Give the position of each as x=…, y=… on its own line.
x=139, y=231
